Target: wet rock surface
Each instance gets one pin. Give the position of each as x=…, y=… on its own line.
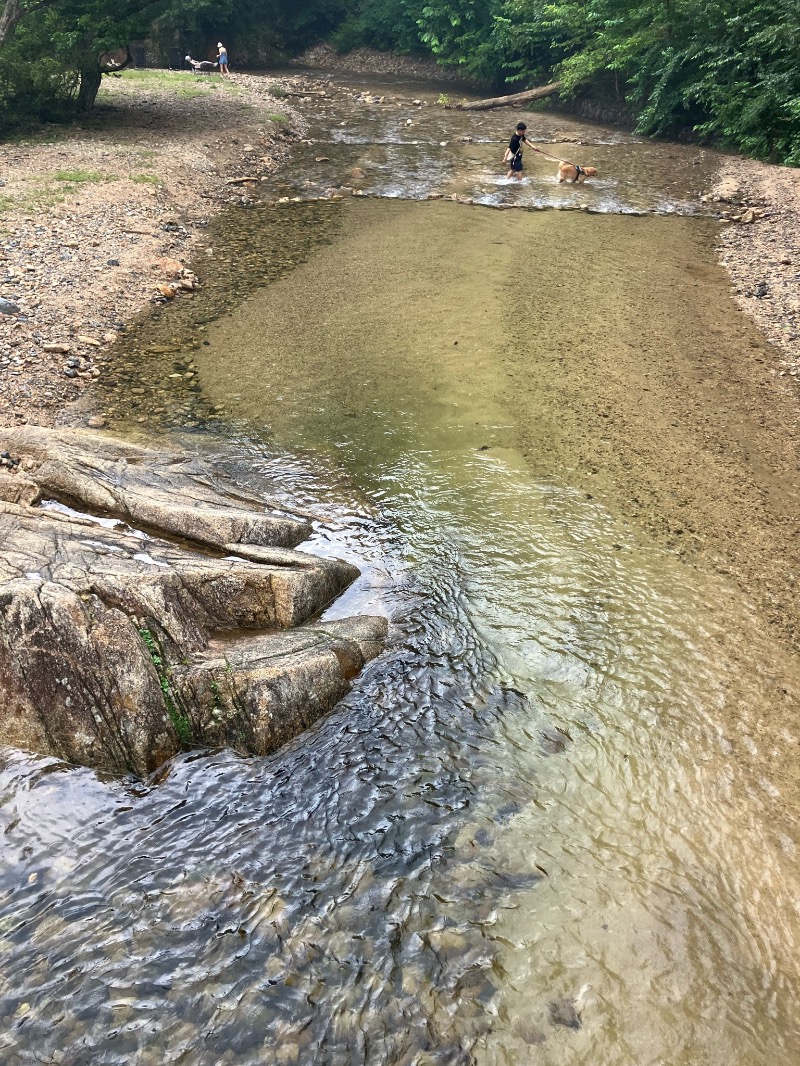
x=168, y=491
x=105, y=653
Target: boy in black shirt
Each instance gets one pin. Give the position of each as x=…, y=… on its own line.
x=514, y=151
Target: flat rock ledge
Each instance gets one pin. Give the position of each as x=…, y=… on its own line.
x=171, y=614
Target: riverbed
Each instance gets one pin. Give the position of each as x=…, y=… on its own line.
x=556, y=822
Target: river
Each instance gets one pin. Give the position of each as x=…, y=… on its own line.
x=549, y=824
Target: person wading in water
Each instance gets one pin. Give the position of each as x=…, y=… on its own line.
x=514, y=151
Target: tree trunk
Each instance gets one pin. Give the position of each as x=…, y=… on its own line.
x=91, y=76
x=9, y=17
x=509, y=101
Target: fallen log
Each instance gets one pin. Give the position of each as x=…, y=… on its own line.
x=240, y=181
x=509, y=101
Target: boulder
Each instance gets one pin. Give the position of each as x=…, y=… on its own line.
x=254, y=693
x=169, y=491
x=119, y=648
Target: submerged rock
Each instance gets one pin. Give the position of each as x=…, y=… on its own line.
x=565, y=1012
x=118, y=649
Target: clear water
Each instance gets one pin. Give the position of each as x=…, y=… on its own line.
x=538, y=830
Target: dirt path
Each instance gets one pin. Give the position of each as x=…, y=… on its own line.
x=94, y=219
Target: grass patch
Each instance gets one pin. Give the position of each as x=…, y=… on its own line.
x=178, y=716
x=146, y=179
x=276, y=90
x=6, y=203
x=282, y=120
x=75, y=177
x=177, y=82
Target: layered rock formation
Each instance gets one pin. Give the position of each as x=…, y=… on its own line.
x=119, y=647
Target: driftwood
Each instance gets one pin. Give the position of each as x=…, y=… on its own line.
x=509, y=101
x=240, y=181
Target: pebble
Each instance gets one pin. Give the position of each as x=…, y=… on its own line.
x=8, y=307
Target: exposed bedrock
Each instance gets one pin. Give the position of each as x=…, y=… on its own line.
x=117, y=648
x=167, y=491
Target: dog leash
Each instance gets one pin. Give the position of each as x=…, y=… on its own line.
x=555, y=158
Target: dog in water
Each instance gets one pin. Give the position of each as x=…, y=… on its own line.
x=574, y=173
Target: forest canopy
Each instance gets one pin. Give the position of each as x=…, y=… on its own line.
x=725, y=70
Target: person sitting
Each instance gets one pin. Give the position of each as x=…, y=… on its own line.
x=204, y=66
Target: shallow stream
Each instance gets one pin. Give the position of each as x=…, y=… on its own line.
x=536, y=831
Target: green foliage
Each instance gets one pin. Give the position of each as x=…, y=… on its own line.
x=729, y=70
x=385, y=24
x=178, y=717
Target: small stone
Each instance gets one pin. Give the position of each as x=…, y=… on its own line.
x=8, y=308
x=70, y=373
x=112, y=262
x=167, y=290
x=96, y=422
x=91, y=341
x=322, y=159
x=564, y=1012
x=56, y=346
x=357, y=172
x=170, y=268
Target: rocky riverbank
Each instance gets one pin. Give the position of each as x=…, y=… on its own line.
x=371, y=61
x=760, y=249
x=120, y=647
x=97, y=221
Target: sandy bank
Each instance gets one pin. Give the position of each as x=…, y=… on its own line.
x=87, y=211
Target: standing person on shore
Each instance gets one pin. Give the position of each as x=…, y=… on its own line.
x=222, y=58
x=514, y=151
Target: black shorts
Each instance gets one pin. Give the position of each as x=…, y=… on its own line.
x=516, y=163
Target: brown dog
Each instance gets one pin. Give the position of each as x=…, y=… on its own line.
x=574, y=173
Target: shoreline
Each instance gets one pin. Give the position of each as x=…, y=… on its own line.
x=99, y=220
x=85, y=249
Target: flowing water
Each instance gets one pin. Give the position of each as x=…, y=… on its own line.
x=537, y=831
